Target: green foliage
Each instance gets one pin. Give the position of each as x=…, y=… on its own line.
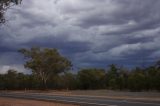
x=91, y=78
x=14, y=80
x=68, y=81
x=49, y=69
x=45, y=63
x=137, y=81
x=122, y=79
x=112, y=77
x=153, y=77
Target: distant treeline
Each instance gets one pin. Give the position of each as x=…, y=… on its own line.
x=115, y=78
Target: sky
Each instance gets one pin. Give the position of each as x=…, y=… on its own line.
x=90, y=33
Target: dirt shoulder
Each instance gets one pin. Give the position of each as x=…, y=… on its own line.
x=22, y=102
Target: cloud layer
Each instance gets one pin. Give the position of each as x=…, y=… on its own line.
x=92, y=33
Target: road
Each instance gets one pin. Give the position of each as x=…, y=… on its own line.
x=80, y=100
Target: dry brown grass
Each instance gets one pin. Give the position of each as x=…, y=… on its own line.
x=21, y=102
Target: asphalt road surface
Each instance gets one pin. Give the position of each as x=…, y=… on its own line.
x=80, y=100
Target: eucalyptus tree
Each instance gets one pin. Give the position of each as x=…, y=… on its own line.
x=45, y=63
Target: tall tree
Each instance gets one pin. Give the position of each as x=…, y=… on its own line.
x=45, y=63
x=91, y=78
x=122, y=78
x=112, y=76
x=137, y=80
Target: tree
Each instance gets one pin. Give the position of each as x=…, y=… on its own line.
x=91, y=78
x=153, y=77
x=11, y=79
x=2, y=82
x=112, y=76
x=122, y=78
x=69, y=81
x=45, y=63
x=137, y=80
x=4, y=5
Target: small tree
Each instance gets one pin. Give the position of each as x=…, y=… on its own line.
x=45, y=63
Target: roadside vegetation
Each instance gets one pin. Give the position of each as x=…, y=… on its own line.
x=51, y=70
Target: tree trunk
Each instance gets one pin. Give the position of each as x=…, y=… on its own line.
x=45, y=85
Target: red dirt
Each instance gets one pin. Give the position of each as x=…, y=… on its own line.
x=22, y=102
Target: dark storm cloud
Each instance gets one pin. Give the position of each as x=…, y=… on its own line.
x=145, y=15
x=66, y=47
x=6, y=49
x=4, y=45
x=31, y=20
x=90, y=32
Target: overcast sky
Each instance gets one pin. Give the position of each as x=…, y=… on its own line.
x=91, y=33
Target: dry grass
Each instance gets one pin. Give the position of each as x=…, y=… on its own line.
x=21, y=102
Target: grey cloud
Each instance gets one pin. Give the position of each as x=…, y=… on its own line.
x=61, y=43
x=89, y=32
x=145, y=14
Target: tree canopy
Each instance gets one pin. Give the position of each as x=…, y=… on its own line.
x=50, y=70
x=46, y=62
x=137, y=79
